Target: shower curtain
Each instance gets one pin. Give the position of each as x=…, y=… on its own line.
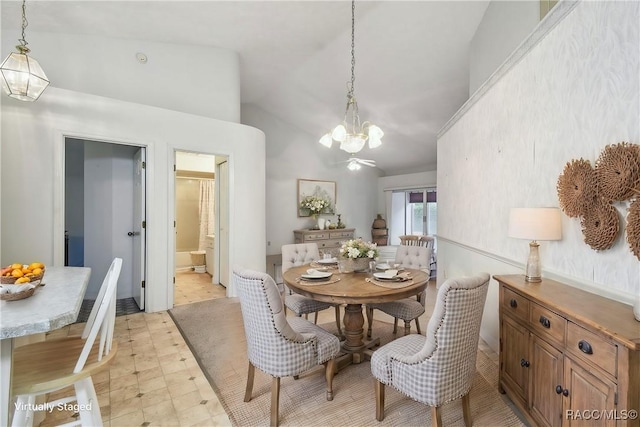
x=206, y=212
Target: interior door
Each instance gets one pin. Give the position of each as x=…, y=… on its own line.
x=222, y=244
x=139, y=236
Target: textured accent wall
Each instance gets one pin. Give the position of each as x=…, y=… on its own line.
x=570, y=95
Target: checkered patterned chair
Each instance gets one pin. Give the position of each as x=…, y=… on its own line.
x=407, y=309
x=438, y=368
x=295, y=255
x=277, y=345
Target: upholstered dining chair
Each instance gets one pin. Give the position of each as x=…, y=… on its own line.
x=438, y=368
x=407, y=309
x=277, y=345
x=294, y=255
x=54, y=364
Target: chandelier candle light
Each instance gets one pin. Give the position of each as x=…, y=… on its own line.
x=22, y=76
x=351, y=133
x=535, y=224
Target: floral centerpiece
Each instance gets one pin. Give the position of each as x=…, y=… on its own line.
x=314, y=205
x=356, y=255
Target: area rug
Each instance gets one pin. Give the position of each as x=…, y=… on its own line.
x=214, y=332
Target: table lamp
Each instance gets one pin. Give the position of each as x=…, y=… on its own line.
x=535, y=224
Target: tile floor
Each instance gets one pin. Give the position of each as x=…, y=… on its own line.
x=155, y=379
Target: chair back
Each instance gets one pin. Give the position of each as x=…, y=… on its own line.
x=102, y=317
x=452, y=336
x=417, y=257
x=297, y=254
x=265, y=324
x=417, y=240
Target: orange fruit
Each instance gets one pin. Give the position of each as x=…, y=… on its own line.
x=16, y=265
x=17, y=273
x=22, y=280
x=25, y=270
x=37, y=271
x=34, y=265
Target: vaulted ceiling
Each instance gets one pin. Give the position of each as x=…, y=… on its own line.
x=412, y=57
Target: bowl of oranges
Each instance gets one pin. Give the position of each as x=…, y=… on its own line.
x=21, y=273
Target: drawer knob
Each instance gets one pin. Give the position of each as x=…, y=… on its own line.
x=562, y=391
x=545, y=322
x=524, y=363
x=585, y=347
x=513, y=303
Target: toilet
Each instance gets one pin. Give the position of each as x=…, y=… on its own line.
x=198, y=261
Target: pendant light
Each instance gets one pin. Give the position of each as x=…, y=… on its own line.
x=22, y=76
x=351, y=133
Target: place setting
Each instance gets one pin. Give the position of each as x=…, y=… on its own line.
x=391, y=278
x=317, y=277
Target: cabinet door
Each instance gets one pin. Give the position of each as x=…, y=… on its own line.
x=590, y=400
x=514, y=360
x=545, y=375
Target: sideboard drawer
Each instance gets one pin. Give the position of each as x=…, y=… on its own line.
x=328, y=244
x=547, y=322
x=515, y=304
x=316, y=236
x=589, y=346
x=341, y=234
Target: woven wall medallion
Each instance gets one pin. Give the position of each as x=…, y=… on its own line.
x=633, y=228
x=577, y=187
x=600, y=225
x=618, y=171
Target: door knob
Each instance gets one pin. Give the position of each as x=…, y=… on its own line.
x=133, y=233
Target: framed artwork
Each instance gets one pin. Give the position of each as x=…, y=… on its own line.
x=324, y=190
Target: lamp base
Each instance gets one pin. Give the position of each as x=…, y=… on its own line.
x=533, y=264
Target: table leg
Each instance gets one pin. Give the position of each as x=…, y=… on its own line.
x=6, y=348
x=354, y=344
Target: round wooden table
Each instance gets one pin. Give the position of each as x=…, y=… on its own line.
x=353, y=290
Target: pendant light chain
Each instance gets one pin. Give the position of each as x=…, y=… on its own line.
x=353, y=48
x=23, y=42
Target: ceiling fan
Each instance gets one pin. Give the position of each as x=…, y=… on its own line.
x=353, y=164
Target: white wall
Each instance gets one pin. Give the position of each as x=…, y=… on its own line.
x=293, y=154
x=36, y=131
x=572, y=93
x=504, y=26
x=108, y=67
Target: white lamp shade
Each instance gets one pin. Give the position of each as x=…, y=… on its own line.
x=22, y=77
x=375, y=132
x=339, y=133
x=535, y=223
x=326, y=140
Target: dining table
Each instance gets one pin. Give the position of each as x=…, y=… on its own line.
x=55, y=303
x=354, y=290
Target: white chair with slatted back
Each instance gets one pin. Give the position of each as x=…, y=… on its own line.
x=52, y=365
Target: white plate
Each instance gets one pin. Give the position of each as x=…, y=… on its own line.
x=383, y=266
x=385, y=275
x=317, y=275
x=327, y=261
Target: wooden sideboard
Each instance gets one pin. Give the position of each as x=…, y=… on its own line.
x=327, y=240
x=568, y=357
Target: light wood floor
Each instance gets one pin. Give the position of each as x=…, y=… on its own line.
x=155, y=380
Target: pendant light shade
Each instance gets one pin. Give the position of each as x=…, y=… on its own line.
x=22, y=76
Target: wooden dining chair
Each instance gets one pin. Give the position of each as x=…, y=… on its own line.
x=439, y=367
x=294, y=255
x=52, y=365
x=407, y=309
x=278, y=345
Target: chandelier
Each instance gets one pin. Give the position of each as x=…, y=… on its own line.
x=22, y=76
x=351, y=133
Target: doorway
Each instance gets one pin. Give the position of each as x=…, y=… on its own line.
x=198, y=222
x=104, y=201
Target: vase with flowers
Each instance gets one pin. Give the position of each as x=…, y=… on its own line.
x=314, y=206
x=356, y=254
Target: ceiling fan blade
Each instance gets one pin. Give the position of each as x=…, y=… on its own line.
x=366, y=162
